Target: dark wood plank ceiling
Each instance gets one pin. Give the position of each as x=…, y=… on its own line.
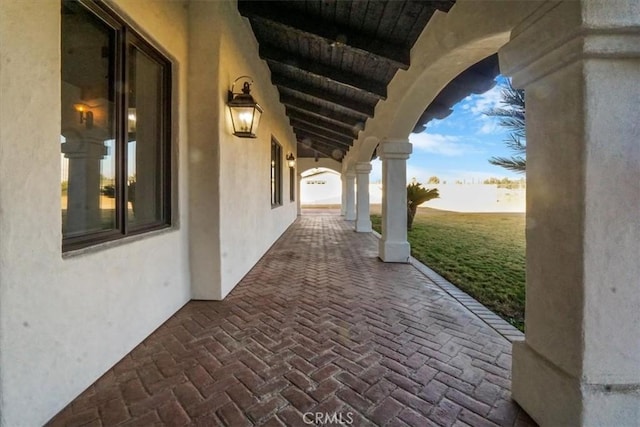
x=333, y=59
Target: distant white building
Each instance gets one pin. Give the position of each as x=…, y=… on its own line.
x=477, y=198
x=323, y=187
x=320, y=187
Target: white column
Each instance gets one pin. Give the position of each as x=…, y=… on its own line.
x=83, y=196
x=579, y=63
x=363, y=218
x=350, y=213
x=343, y=206
x=394, y=246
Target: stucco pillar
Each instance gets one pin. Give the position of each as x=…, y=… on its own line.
x=83, y=194
x=350, y=212
x=579, y=63
x=363, y=218
x=394, y=246
x=343, y=205
x=205, y=253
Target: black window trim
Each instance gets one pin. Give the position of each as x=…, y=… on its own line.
x=276, y=191
x=126, y=35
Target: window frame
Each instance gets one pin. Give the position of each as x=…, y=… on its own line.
x=125, y=35
x=276, y=167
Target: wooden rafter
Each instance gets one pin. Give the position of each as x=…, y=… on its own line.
x=322, y=147
x=315, y=92
x=327, y=32
x=322, y=121
x=317, y=110
x=315, y=137
x=316, y=130
x=275, y=55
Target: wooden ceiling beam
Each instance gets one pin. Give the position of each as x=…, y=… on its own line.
x=317, y=137
x=324, y=150
x=335, y=75
x=314, y=137
x=324, y=126
x=316, y=130
x=319, y=120
x=315, y=109
x=329, y=33
x=315, y=92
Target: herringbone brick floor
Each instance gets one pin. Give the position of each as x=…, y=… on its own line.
x=319, y=326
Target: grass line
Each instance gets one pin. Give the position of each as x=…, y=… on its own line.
x=481, y=253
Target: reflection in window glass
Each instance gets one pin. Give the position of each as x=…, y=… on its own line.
x=88, y=131
x=115, y=161
x=276, y=173
x=144, y=142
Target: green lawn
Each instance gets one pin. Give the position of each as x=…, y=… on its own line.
x=481, y=253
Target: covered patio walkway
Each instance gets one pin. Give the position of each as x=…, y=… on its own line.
x=318, y=328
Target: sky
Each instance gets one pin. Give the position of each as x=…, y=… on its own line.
x=459, y=146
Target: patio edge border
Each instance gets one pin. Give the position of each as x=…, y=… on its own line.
x=496, y=322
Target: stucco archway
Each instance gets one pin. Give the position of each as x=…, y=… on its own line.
x=304, y=164
x=451, y=43
x=578, y=62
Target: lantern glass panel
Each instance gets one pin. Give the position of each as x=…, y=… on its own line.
x=245, y=120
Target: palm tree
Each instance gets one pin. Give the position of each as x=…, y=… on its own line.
x=417, y=195
x=512, y=117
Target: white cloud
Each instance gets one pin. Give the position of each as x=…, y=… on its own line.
x=445, y=145
x=489, y=126
x=479, y=104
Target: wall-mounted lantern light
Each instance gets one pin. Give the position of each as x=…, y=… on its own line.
x=245, y=112
x=291, y=161
x=86, y=116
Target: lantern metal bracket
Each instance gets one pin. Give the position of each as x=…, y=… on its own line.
x=246, y=87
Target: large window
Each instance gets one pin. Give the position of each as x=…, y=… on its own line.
x=115, y=129
x=276, y=173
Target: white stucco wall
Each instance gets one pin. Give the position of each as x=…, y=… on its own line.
x=324, y=188
x=248, y=223
x=65, y=320
x=229, y=237
x=477, y=198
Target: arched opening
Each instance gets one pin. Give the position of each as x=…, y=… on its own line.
x=320, y=187
x=453, y=42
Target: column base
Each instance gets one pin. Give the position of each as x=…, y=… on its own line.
x=363, y=226
x=552, y=397
x=394, y=251
x=350, y=216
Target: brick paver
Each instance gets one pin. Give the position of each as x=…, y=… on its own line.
x=321, y=331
